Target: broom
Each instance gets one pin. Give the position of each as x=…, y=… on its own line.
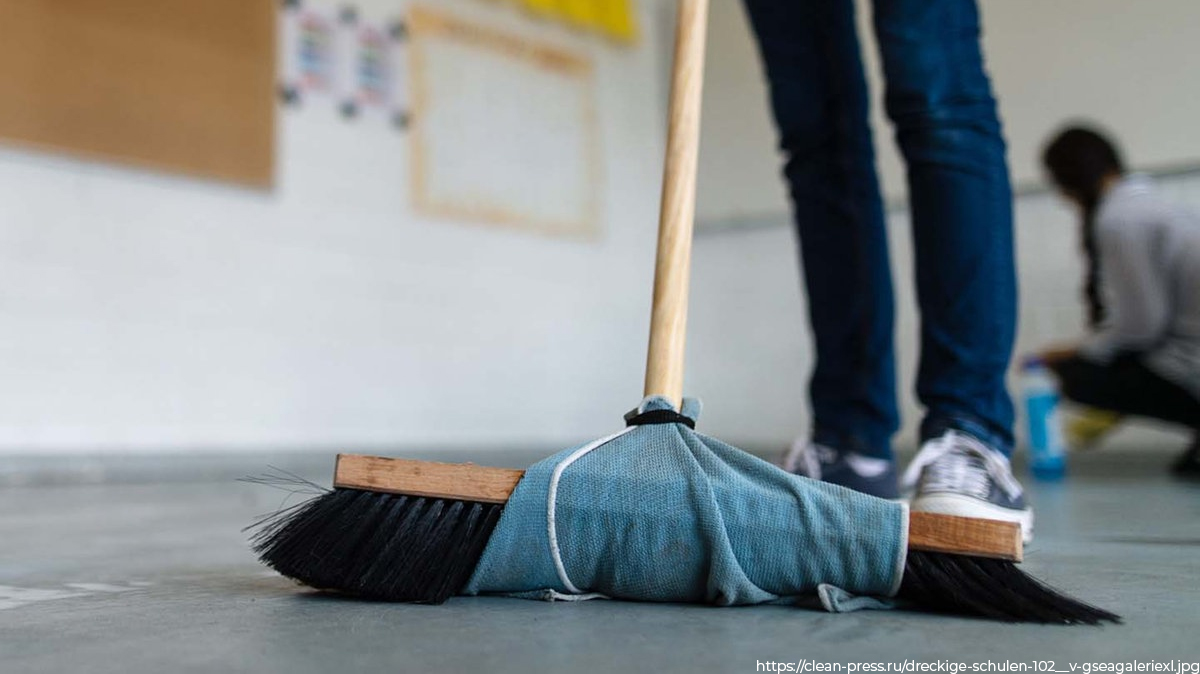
x=414, y=531
x=418, y=531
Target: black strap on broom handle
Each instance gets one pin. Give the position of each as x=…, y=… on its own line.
x=668, y=319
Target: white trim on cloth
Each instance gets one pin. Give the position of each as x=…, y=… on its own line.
x=902, y=556
x=552, y=498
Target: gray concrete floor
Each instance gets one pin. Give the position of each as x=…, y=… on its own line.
x=151, y=577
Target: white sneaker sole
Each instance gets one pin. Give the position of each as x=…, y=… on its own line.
x=967, y=506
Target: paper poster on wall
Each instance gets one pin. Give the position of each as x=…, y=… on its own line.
x=615, y=19
x=334, y=55
x=618, y=19
x=309, y=59
x=375, y=72
x=504, y=128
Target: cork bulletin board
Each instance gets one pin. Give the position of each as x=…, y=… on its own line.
x=183, y=86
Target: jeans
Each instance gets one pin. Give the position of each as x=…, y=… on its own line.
x=939, y=100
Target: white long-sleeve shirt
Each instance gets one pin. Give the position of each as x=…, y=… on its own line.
x=1149, y=253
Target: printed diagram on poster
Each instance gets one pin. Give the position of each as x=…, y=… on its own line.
x=375, y=71
x=337, y=57
x=309, y=60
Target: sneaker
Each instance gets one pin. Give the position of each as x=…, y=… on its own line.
x=867, y=474
x=956, y=474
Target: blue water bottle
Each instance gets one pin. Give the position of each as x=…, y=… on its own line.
x=1047, y=450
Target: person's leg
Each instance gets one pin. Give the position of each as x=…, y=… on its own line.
x=818, y=93
x=1092, y=384
x=940, y=101
x=1127, y=386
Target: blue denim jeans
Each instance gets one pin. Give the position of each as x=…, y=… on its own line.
x=940, y=102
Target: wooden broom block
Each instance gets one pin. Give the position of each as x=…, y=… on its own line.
x=467, y=482
x=459, y=481
x=932, y=532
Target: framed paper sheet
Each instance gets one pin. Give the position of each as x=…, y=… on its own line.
x=504, y=129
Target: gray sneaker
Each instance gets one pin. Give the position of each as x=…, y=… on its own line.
x=866, y=474
x=955, y=474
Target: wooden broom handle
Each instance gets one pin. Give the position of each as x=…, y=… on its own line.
x=668, y=318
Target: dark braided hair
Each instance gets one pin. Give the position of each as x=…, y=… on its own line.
x=1079, y=159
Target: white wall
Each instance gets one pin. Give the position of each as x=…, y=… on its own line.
x=145, y=311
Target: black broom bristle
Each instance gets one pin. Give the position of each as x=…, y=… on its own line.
x=383, y=546
x=990, y=588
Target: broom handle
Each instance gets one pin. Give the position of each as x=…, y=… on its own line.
x=668, y=318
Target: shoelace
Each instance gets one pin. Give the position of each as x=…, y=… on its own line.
x=961, y=463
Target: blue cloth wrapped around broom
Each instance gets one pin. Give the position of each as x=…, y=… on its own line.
x=662, y=513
